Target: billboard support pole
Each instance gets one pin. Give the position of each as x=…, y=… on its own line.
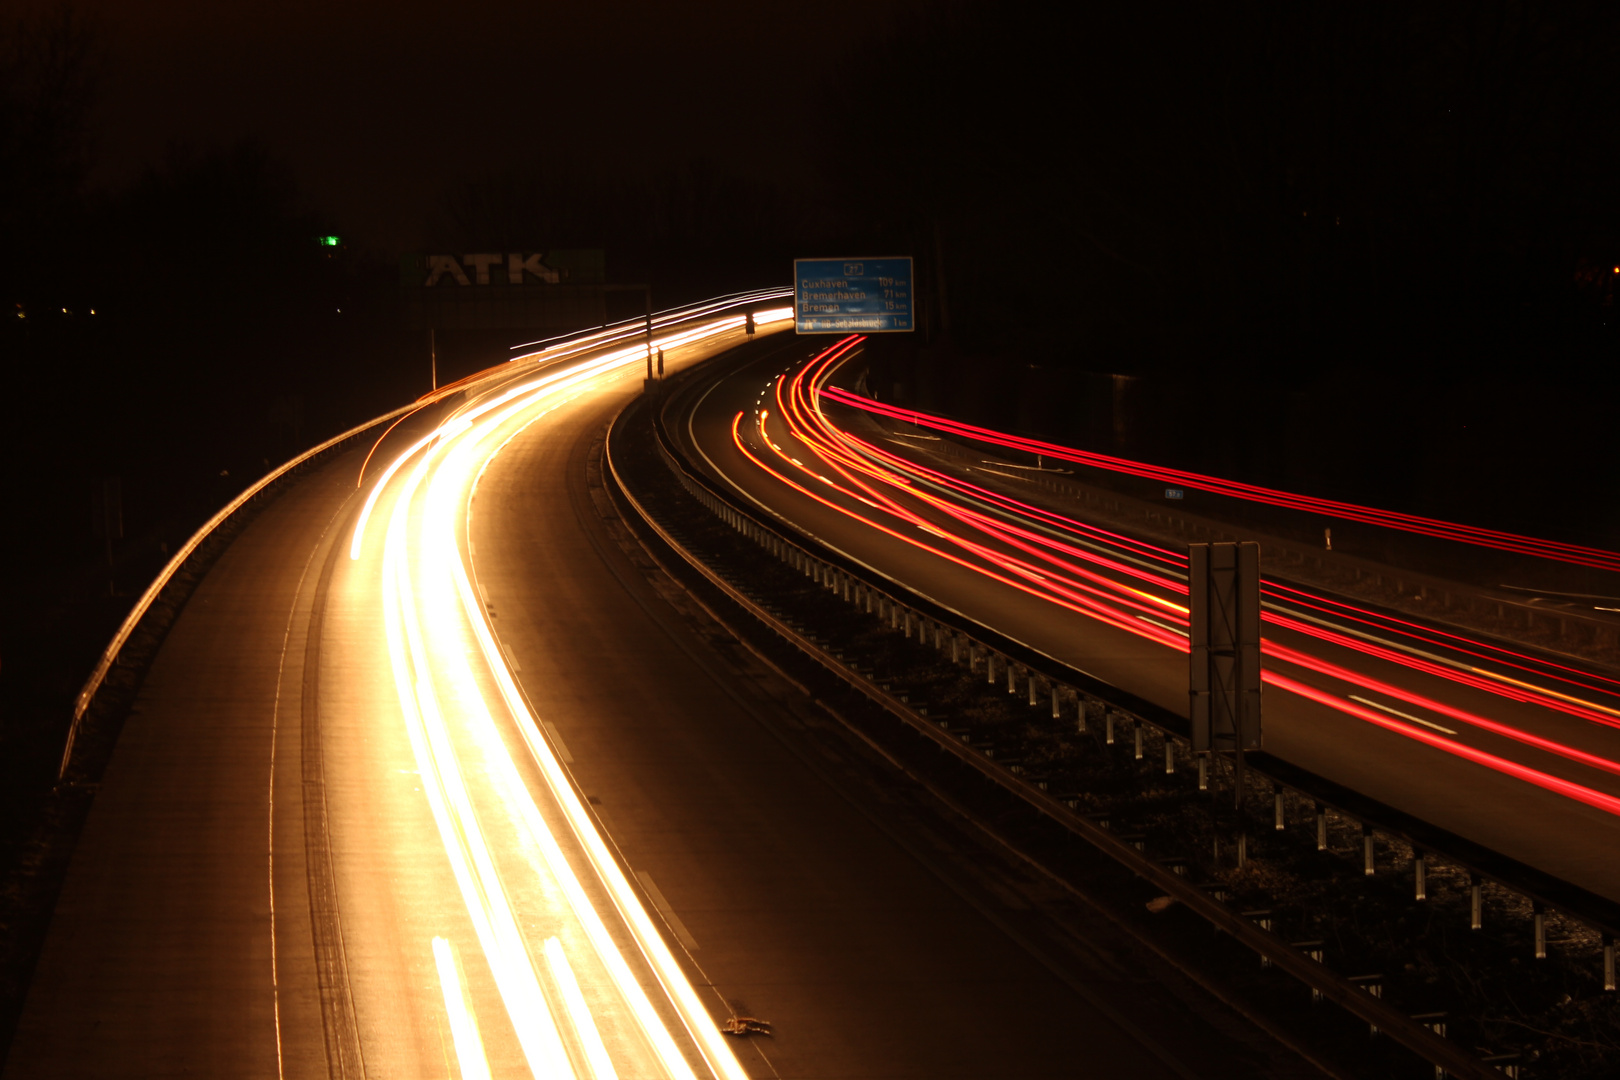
x=433, y=358
x=1224, y=653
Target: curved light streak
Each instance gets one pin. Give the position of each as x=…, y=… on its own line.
x=1558, y=550
x=456, y=701
x=1069, y=563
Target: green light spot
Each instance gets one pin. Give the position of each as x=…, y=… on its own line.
x=330, y=241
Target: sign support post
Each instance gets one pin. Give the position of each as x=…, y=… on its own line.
x=1224, y=640
x=648, y=296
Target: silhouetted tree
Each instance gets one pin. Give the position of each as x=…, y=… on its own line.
x=48, y=76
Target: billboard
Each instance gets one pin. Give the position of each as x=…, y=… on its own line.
x=581, y=266
x=499, y=290
x=852, y=296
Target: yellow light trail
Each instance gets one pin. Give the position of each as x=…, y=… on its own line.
x=557, y=962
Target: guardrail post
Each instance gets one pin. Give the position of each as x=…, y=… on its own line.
x=1368, y=865
x=1138, y=726
x=989, y=668
x=1476, y=897
x=1277, y=806
x=1435, y=1022
x=1169, y=755
x=1203, y=772
x=955, y=659
x=1033, y=700
x=1321, y=827
x=1012, y=678
x=1420, y=874
x=1608, y=961
x=1082, y=707
x=1374, y=985
x=1108, y=726
x=1538, y=919
x=1057, y=713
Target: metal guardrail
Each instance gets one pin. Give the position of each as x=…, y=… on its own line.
x=1112, y=706
x=109, y=655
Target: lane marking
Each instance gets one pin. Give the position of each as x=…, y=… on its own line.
x=666, y=911
x=1403, y=716
x=1164, y=626
x=557, y=741
x=996, y=472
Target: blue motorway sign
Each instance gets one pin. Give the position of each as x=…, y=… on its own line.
x=845, y=296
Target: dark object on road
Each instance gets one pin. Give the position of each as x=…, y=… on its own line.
x=746, y=1025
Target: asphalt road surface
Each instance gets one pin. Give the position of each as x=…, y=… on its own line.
x=450, y=782
x=1565, y=837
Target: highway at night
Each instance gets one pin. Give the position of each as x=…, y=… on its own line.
x=1078, y=542
x=1514, y=749
x=431, y=779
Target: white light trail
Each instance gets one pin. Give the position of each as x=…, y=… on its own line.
x=522, y=891
x=580, y=1013
x=463, y=1028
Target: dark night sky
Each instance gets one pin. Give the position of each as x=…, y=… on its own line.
x=378, y=106
x=1395, y=223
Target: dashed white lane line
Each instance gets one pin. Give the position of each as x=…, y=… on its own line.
x=1403, y=716
x=674, y=920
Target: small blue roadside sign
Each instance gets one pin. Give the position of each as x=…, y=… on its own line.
x=1175, y=493
x=844, y=296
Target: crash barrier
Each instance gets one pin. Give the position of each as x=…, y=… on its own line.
x=1124, y=717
